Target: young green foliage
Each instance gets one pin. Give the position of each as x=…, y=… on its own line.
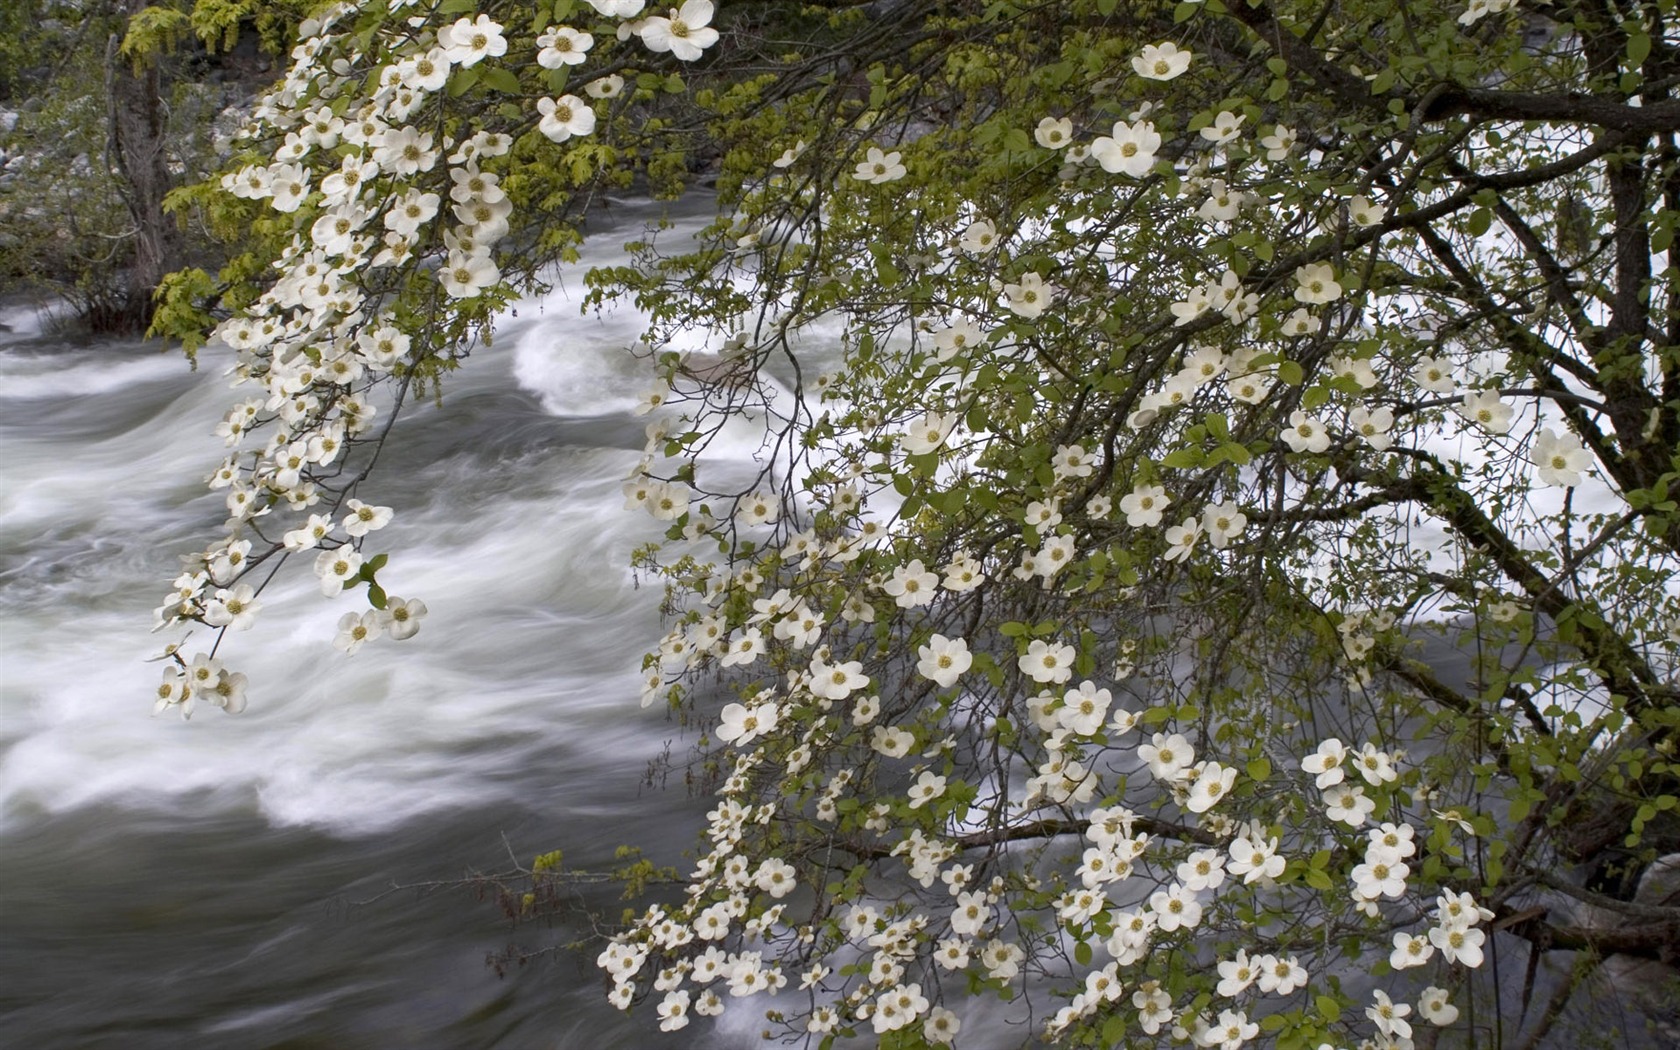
x=1156, y=400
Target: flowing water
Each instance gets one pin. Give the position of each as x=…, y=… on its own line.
x=224, y=882
x=228, y=882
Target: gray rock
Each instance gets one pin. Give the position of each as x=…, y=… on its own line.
x=1660, y=885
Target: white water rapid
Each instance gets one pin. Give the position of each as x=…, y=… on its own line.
x=184, y=885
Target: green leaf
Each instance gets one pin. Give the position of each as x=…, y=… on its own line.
x=1662, y=232
x=153, y=31
x=1260, y=769
x=885, y=271
x=498, y=79
x=461, y=81
x=1479, y=221
x=376, y=596
x=923, y=463
x=1082, y=953
x=1329, y=1008
x=1638, y=48
x=1520, y=808
x=1085, y=664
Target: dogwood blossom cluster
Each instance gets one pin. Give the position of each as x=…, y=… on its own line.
x=375, y=204
x=1081, y=596
x=829, y=569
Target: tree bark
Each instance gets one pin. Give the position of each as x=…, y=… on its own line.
x=138, y=121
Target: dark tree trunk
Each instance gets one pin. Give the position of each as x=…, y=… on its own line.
x=138, y=121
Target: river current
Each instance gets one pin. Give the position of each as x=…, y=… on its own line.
x=227, y=882
x=292, y=878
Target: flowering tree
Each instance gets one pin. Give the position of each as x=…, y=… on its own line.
x=1223, y=585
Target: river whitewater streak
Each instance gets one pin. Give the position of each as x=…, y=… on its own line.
x=196, y=884
x=228, y=882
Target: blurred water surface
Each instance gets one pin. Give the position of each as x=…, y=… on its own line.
x=208, y=883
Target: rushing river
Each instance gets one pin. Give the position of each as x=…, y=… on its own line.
x=229, y=882
x=224, y=882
